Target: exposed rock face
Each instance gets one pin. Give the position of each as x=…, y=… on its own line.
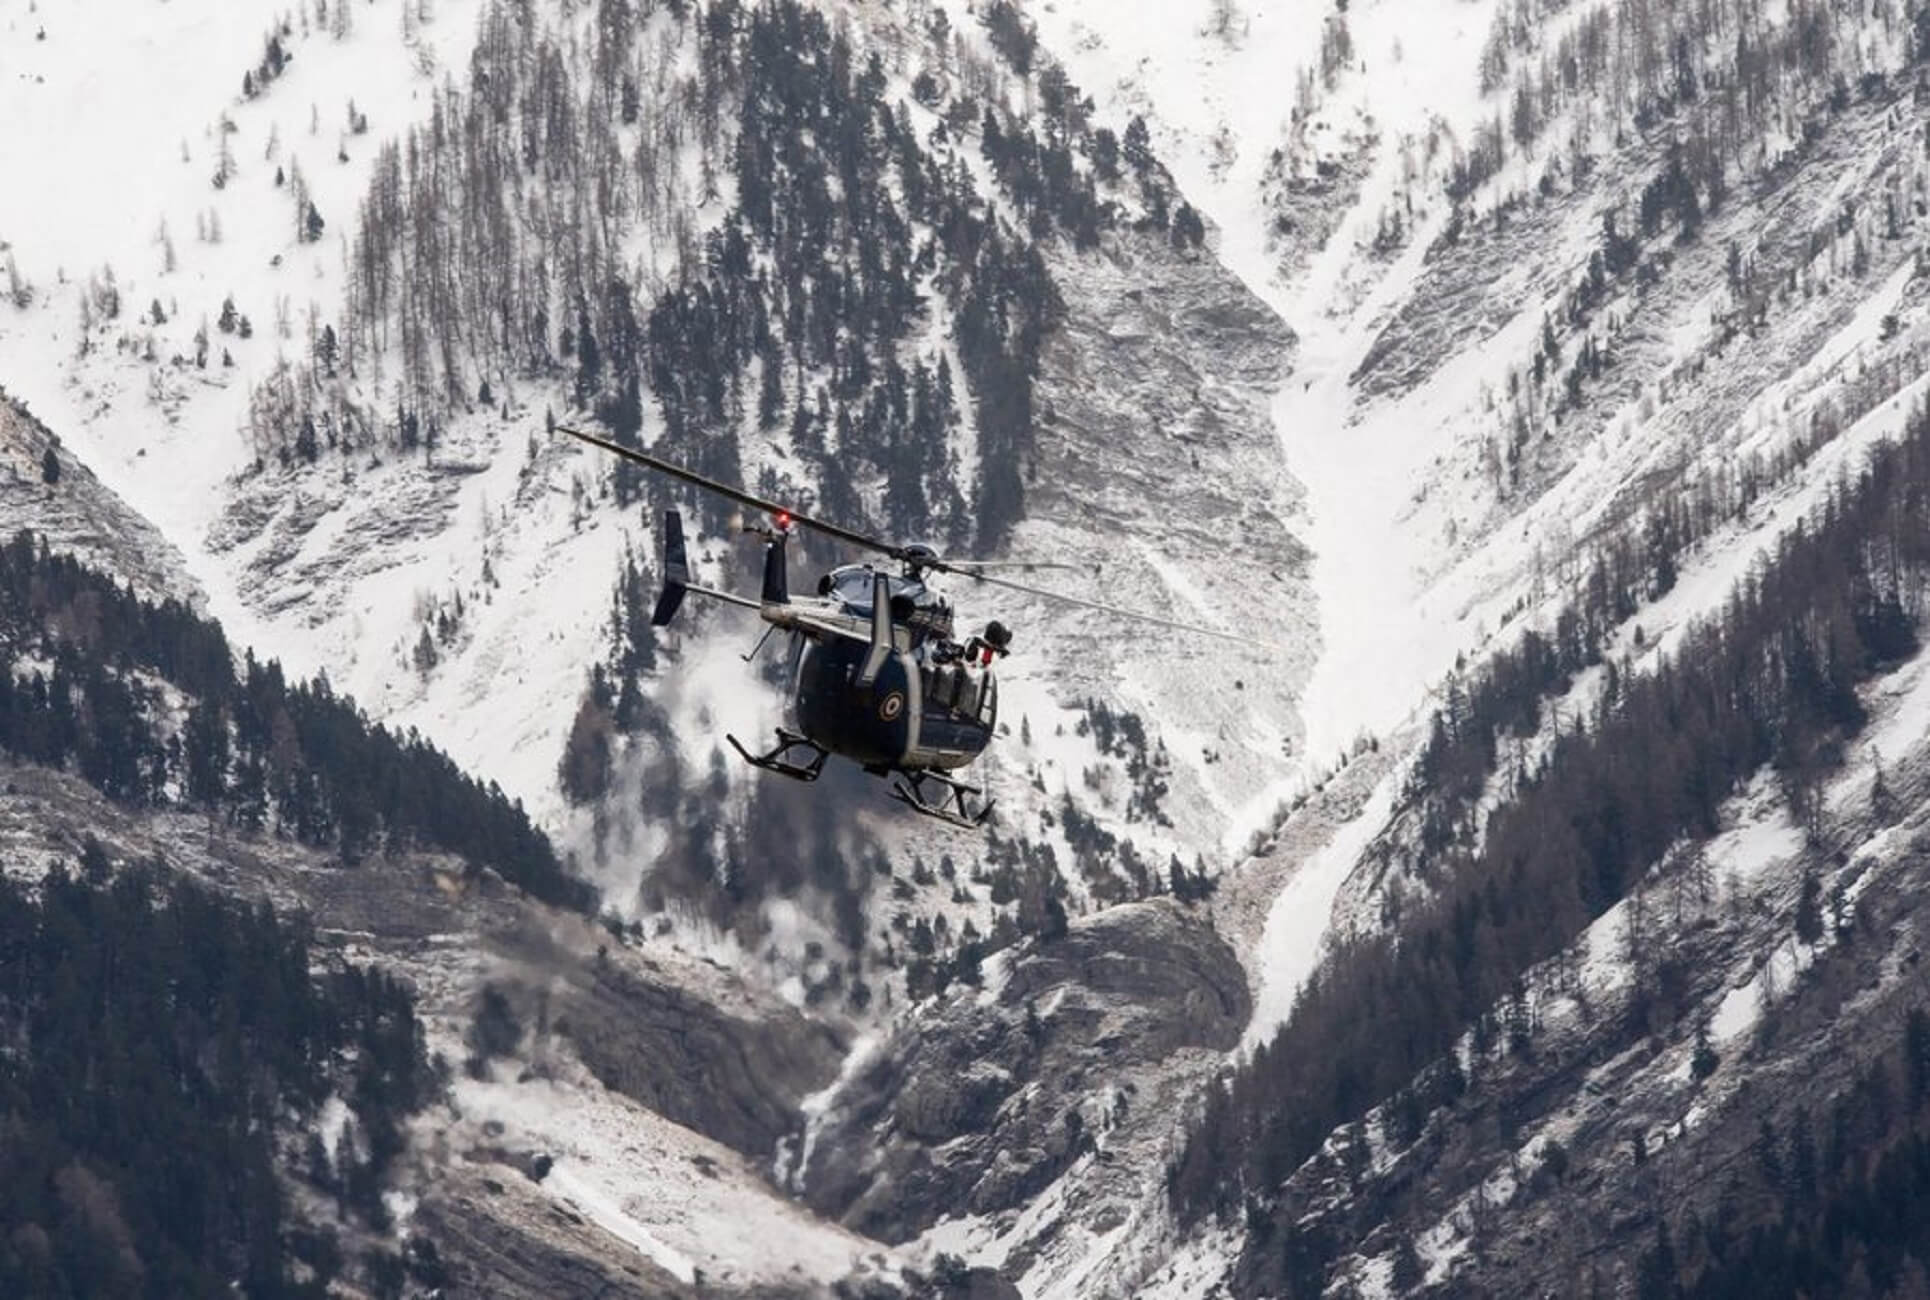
x=500, y=1238
x=980, y=1284
x=980, y=1104
x=687, y=1039
x=736, y=1079
x=1157, y=463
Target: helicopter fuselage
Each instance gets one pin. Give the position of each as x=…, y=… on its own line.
x=911, y=715
x=877, y=679
x=926, y=706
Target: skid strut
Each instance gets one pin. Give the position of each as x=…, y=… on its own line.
x=777, y=759
x=955, y=809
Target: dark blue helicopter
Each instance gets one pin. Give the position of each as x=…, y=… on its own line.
x=879, y=676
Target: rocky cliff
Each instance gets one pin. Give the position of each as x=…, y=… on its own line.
x=1072, y=1052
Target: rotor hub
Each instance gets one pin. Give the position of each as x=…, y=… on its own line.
x=918, y=557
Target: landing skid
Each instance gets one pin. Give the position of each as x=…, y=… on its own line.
x=777, y=759
x=955, y=811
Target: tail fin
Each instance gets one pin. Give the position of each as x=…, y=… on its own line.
x=777, y=590
x=676, y=570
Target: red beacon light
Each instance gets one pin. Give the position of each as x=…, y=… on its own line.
x=784, y=520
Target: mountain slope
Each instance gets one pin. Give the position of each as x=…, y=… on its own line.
x=1485, y=359
x=543, y=1150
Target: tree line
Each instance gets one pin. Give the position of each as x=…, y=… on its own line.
x=1503, y=698
x=162, y=1042
x=88, y=668
x=1769, y=681
x=1844, y=1197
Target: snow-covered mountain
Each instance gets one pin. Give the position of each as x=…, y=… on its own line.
x=1402, y=335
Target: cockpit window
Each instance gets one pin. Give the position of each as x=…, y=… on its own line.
x=927, y=613
x=852, y=587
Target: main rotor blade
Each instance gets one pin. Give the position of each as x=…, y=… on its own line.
x=972, y=568
x=976, y=569
x=1118, y=611
x=738, y=495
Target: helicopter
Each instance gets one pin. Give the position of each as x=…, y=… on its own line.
x=878, y=675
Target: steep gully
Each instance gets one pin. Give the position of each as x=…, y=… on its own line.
x=1379, y=632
